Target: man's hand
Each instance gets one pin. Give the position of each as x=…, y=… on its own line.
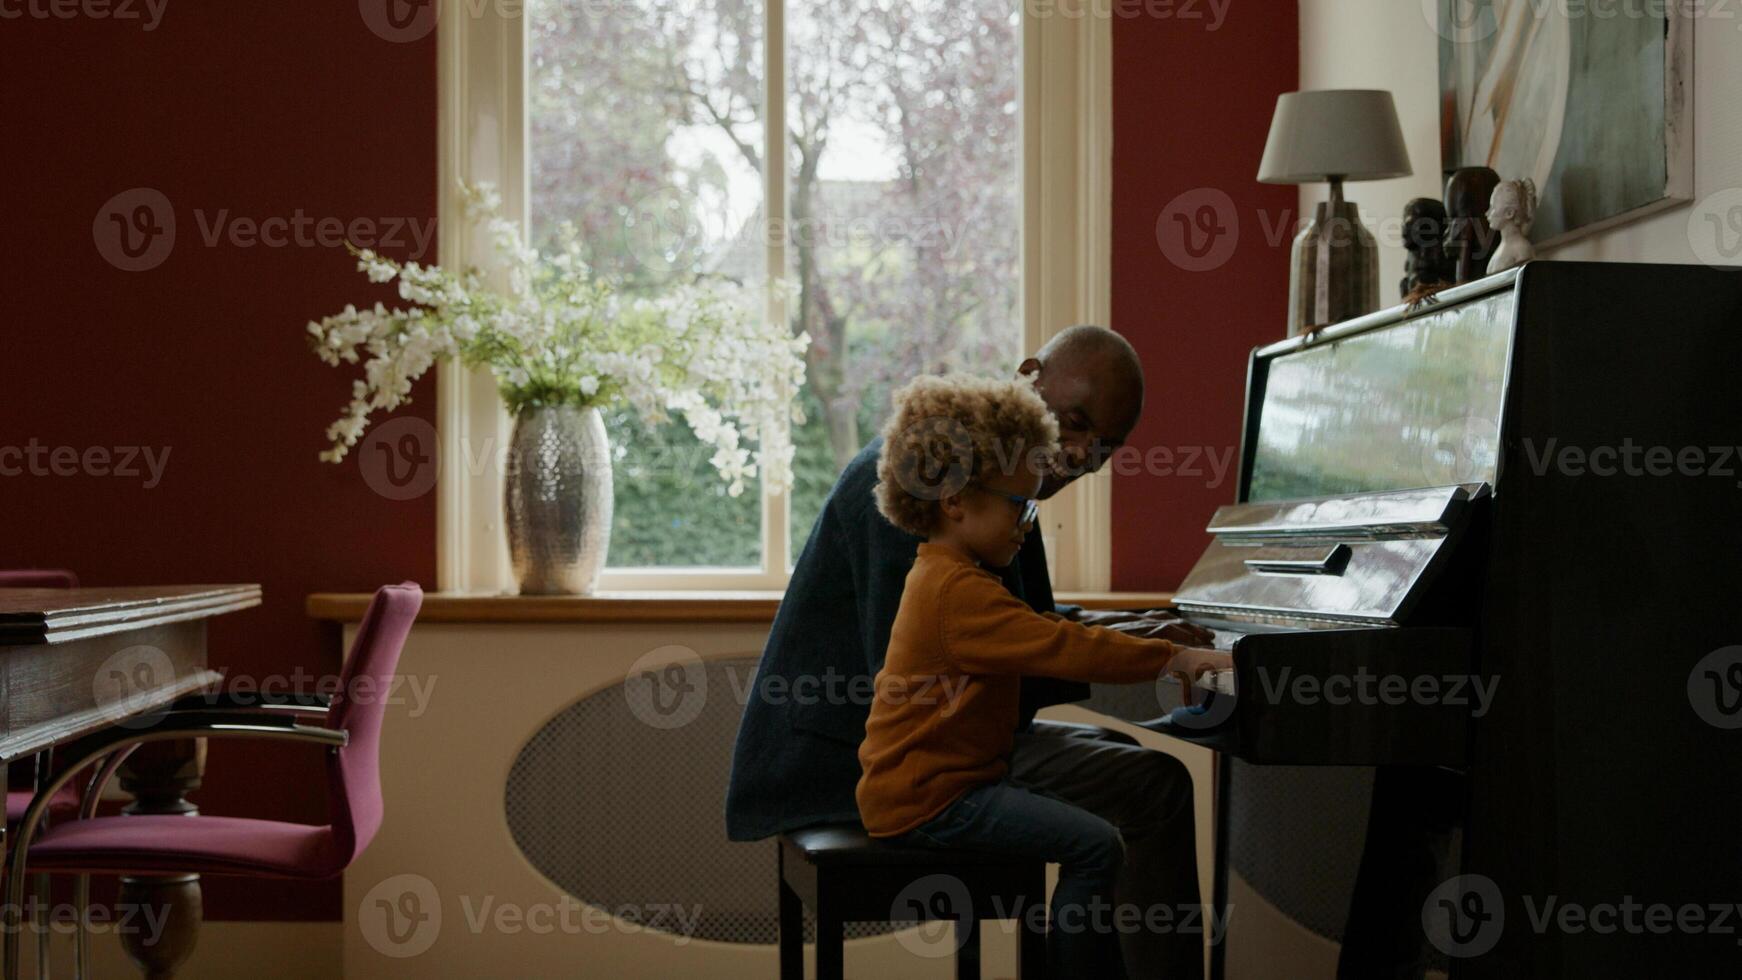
x=1117, y=617
x=1151, y=624
x=1106, y=617
x=1174, y=631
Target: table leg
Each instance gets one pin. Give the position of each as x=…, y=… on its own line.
x=160, y=775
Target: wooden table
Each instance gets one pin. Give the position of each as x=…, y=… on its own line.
x=74, y=661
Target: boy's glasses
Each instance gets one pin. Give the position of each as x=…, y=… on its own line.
x=1030, y=506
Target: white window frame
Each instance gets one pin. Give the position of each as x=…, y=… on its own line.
x=1066, y=119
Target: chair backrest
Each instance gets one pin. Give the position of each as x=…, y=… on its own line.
x=354, y=775
x=37, y=578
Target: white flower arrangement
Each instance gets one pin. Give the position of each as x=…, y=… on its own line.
x=561, y=337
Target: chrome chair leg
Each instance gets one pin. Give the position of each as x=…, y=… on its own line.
x=81, y=938
x=39, y=886
x=39, y=898
x=11, y=919
x=105, y=771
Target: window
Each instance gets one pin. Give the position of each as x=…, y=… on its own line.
x=893, y=209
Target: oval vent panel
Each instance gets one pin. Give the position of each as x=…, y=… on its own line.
x=629, y=817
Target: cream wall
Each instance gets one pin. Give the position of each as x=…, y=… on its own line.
x=445, y=836
x=1390, y=44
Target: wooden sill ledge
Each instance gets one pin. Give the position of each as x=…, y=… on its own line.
x=700, y=606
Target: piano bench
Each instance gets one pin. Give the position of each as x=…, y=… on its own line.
x=845, y=875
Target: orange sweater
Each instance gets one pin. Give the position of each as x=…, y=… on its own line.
x=944, y=716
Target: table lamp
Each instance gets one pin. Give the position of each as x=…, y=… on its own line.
x=1333, y=135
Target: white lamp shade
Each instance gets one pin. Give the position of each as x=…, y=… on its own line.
x=1348, y=133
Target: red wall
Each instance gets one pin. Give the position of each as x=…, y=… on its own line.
x=1192, y=102
x=268, y=110
x=258, y=110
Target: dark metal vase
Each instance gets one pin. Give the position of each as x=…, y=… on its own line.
x=558, y=500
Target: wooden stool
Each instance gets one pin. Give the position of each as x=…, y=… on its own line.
x=845, y=875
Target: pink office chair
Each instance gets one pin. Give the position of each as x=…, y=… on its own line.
x=37, y=578
x=165, y=844
x=18, y=800
x=64, y=802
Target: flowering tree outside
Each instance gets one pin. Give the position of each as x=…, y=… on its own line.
x=903, y=206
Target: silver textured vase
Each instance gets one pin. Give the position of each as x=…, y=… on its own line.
x=558, y=500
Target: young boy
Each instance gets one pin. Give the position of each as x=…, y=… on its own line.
x=962, y=460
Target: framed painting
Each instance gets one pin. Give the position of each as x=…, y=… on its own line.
x=1595, y=109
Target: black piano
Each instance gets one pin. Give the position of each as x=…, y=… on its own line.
x=1481, y=590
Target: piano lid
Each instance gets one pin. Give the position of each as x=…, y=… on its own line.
x=1356, y=558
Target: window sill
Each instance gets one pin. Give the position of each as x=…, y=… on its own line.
x=710, y=606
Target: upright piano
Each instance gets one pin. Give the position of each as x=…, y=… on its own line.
x=1485, y=714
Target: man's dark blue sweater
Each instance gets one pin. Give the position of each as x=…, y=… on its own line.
x=796, y=761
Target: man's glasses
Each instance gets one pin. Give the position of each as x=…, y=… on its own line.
x=1030, y=506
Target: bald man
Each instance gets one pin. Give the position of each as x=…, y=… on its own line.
x=796, y=759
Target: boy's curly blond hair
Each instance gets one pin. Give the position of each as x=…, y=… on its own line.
x=946, y=430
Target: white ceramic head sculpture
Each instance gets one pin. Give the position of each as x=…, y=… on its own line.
x=1511, y=209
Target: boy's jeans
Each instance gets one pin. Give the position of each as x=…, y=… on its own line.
x=1118, y=820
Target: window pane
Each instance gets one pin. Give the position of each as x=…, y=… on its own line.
x=904, y=197
x=645, y=131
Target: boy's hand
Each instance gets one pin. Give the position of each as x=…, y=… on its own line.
x=1190, y=663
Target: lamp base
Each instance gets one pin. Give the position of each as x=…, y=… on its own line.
x=1334, y=267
